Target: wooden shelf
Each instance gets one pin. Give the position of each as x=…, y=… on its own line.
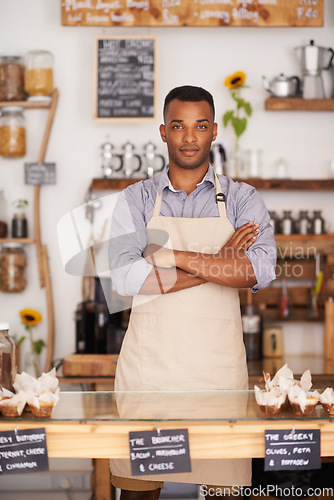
x=308, y=244
x=103, y=184
x=27, y=104
x=298, y=104
x=23, y=241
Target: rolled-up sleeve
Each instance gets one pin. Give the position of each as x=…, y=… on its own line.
x=262, y=254
x=128, y=269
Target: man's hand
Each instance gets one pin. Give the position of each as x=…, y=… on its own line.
x=159, y=256
x=241, y=239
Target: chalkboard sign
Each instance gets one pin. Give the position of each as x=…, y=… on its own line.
x=126, y=78
x=250, y=13
x=23, y=451
x=39, y=173
x=292, y=450
x=159, y=452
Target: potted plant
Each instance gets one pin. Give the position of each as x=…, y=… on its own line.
x=19, y=221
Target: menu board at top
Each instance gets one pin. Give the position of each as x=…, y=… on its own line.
x=126, y=79
x=292, y=13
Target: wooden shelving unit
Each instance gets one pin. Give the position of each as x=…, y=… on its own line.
x=298, y=104
x=103, y=184
x=41, y=250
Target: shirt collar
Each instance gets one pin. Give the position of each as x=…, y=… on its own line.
x=166, y=183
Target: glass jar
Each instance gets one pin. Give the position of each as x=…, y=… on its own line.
x=12, y=132
x=274, y=221
x=38, y=75
x=7, y=358
x=11, y=78
x=3, y=215
x=303, y=222
x=13, y=264
x=318, y=223
x=19, y=226
x=287, y=222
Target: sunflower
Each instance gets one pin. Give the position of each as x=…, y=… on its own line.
x=30, y=317
x=233, y=81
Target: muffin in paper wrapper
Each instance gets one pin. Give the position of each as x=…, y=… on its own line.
x=47, y=382
x=5, y=394
x=283, y=379
x=13, y=406
x=42, y=405
x=270, y=402
x=327, y=400
x=302, y=403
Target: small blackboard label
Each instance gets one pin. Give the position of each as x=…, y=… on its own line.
x=23, y=451
x=159, y=452
x=125, y=78
x=292, y=450
x=40, y=173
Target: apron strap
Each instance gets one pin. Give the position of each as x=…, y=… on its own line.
x=220, y=200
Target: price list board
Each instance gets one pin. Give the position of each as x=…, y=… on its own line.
x=125, y=79
x=160, y=13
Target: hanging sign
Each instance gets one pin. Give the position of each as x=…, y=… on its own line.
x=291, y=13
x=159, y=452
x=125, y=78
x=23, y=451
x=39, y=173
x=292, y=450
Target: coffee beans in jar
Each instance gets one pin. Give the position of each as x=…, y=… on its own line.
x=12, y=132
x=38, y=75
x=11, y=78
x=13, y=264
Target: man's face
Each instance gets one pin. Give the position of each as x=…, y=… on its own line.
x=188, y=131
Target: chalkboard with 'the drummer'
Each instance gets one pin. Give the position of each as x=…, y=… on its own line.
x=125, y=78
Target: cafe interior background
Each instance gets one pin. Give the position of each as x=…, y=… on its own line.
x=300, y=140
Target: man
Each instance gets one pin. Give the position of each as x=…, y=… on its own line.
x=192, y=239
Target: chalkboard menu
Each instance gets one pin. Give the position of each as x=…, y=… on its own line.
x=192, y=13
x=126, y=78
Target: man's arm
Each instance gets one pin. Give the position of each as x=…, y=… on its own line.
x=229, y=267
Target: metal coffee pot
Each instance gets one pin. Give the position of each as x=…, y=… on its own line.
x=282, y=86
x=111, y=163
x=152, y=162
x=131, y=161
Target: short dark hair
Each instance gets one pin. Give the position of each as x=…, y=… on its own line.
x=189, y=93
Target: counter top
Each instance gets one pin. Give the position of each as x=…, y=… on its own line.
x=221, y=424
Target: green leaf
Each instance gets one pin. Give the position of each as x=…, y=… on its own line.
x=239, y=125
x=227, y=117
x=38, y=346
x=21, y=339
x=248, y=108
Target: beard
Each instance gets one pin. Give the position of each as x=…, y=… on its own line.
x=190, y=163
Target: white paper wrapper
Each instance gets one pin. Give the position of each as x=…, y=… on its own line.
x=327, y=397
x=306, y=381
x=269, y=398
x=46, y=382
x=18, y=401
x=5, y=393
x=282, y=379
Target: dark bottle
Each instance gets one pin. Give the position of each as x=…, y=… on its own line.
x=287, y=223
x=274, y=221
x=303, y=222
x=19, y=226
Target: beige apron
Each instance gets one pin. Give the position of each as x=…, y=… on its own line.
x=187, y=340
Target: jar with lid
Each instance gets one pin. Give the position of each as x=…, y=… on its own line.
x=3, y=215
x=7, y=358
x=19, y=221
x=304, y=222
x=13, y=264
x=38, y=75
x=274, y=221
x=12, y=132
x=318, y=223
x=287, y=222
x=11, y=78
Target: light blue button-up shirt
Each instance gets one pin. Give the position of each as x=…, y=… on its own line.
x=134, y=209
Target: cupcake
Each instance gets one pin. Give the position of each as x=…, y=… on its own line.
x=13, y=406
x=327, y=400
x=42, y=406
x=302, y=403
x=270, y=402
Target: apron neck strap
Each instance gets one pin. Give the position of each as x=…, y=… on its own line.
x=220, y=199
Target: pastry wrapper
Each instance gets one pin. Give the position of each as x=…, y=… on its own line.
x=47, y=382
x=15, y=403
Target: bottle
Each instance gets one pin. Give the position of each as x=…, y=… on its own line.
x=3, y=215
x=38, y=75
x=304, y=222
x=7, y=358
x=12, y=268
x=19, y=221
x=318, y=223
x=11, y=78
x=252, y=329
x=274, y=221
x=12, y=132
x=287, y=222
